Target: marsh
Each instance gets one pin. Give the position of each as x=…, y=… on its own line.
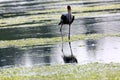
x=26, y=24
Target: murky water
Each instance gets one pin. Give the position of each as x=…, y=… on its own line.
x=17, y=22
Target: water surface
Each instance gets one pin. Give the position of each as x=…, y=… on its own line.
x=39, y=19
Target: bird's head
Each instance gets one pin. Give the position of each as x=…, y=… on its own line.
x=68, y=8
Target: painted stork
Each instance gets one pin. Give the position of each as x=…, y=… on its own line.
x=67, y=18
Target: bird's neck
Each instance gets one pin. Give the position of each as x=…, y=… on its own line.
x=69, y=12
x=69, y=15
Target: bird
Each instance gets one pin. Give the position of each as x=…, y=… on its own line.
x=68, y=19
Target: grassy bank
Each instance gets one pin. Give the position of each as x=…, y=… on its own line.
x=93, y=71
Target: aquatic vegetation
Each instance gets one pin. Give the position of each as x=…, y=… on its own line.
x=49, y=15
x=40, y=17
x=92, y=71
x=54, y=40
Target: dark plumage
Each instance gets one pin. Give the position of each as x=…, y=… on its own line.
x=64, y=20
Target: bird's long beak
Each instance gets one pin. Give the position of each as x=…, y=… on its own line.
x=69, y=13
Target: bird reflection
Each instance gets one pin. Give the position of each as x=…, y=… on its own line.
x=71, y=58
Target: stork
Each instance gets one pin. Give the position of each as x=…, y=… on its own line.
x=67, y=18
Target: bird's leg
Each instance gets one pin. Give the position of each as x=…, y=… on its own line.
x=61, y=28
x=70, y=49
x=62, y=49
x=69, y=41
x=61, y=32
x=69, y=32
x=62, y=38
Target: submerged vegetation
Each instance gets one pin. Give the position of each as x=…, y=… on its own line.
x=93, y=71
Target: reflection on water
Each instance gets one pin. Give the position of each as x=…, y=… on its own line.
x=91, y=44
x=84, y=51
x=69, y=58
x=90, y=28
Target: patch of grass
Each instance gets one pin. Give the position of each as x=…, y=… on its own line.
x=54, y=40
x=27, y=19
x=23, y=25
x=92, y=71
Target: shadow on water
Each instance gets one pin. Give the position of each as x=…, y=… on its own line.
x=90, y=27
x=91, y=44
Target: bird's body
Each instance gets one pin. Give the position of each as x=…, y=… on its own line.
x=65, y=19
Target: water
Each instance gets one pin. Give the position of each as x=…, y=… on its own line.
x=23, y=19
